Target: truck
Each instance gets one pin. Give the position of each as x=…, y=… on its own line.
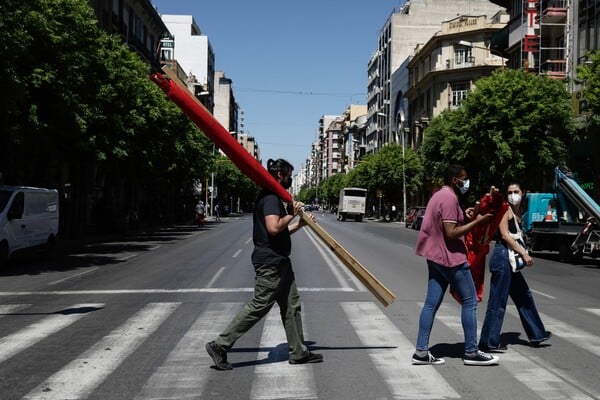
x=566, y=221
x=352, y=203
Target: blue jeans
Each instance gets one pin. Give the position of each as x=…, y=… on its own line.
x=504, y=283
x=461, y=280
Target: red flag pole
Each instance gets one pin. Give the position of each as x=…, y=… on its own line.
x=196, y=111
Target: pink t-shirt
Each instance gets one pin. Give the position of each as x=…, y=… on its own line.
x=431, y=242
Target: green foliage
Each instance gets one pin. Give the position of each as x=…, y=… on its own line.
x=513, y=125
x=589, y=76
x=329, y=188
x=307, y=194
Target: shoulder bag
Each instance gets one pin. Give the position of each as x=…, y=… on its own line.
x=516, y=261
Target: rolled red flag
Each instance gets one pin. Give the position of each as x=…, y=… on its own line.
x=219, y=135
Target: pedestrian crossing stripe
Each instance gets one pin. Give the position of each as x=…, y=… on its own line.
x=32, y=334
x=81, y=376
x=186, y=370
x=390, y=352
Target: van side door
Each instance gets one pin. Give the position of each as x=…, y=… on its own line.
x=17, y=230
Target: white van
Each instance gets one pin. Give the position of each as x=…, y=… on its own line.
x=28, y=220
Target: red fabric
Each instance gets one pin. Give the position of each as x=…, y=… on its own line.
x=220, y=136
x=478, y=240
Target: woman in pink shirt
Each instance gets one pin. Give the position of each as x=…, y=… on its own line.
x=441, y=242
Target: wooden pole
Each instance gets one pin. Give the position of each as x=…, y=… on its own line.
x=383, y=294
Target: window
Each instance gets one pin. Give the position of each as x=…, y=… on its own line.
x=459, y=93
x=462, y=55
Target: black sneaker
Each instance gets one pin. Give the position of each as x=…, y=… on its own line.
x=427, y=359
x=479, y=358
x=219, y=356
x=309, y=358
x=537, y=343
x=500, y=349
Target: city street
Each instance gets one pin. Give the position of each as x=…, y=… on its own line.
x=128, y=318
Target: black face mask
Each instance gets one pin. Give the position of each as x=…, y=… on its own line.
x=287, y=183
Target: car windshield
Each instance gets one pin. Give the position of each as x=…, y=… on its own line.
x=4, y=196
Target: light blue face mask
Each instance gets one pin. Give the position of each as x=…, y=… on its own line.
x=465, y=186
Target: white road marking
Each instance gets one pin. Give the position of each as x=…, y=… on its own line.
x=279, y=379
x=215, y=277
x=81, y=376
x=26, y=337
x=7, y=309
x=543, y=294
x=154, y=247
x=237, y=253
x=127, y=257
x=391, y=351
x=546, y=383
x=74, y=276
x=595, y=311
x=185, y=372
x=172, y=291
x=249, y=240
x=335, y=270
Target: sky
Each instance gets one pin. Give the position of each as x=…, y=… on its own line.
x=290, y=62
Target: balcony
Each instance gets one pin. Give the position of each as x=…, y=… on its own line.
x=555, y=69
x=553, y=11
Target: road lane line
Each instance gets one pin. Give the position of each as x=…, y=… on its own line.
x=185, y=372
x=277, y=379
x=81, y=376
x=543, y=294
x=125, y=258
x=545, y=382
x=334, y=267
x=8, y=309
x=595, y=311
x=26, y=337
x=237, y=253
x=390, y=352
x=249, y=240
x=215, y=277
x=161, y=291
x=73, y=276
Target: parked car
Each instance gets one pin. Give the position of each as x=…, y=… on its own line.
x=28, y=220
x=418, y=219
x=411, y=216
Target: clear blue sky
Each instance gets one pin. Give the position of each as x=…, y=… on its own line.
x=290, y=62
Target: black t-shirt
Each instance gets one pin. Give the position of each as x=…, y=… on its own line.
x=268, y=249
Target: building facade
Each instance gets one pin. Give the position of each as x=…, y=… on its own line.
x=412, y=24
x=443, y=70
x=193, y=52
x=136, y=21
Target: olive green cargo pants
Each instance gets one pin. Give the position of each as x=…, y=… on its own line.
x=273, y=283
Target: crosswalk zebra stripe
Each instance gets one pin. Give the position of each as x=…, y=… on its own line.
x=277, y=379
x=26, y=337
x=580, y=338
x=185, y=372
x=542, y=381
x=82, y=375
x=390, y=351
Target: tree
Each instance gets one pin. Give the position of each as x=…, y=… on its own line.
x=588, y=75
x=512, y=125
x=329, y=188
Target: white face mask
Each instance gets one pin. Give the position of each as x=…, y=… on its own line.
x=514, y=199
x=465, y=186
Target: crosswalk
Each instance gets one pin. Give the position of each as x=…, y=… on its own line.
x=185, y=373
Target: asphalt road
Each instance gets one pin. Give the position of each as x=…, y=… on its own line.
x=128, y=318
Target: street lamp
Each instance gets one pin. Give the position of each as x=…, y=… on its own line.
x=401, y=118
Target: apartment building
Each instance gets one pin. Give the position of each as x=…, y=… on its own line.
x=192, y=51
x=136, y=21
x=444, y=69
x=412, y=24
x=226, y=109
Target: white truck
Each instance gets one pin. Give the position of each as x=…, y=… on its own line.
x=352, y=204
x=28, y=220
